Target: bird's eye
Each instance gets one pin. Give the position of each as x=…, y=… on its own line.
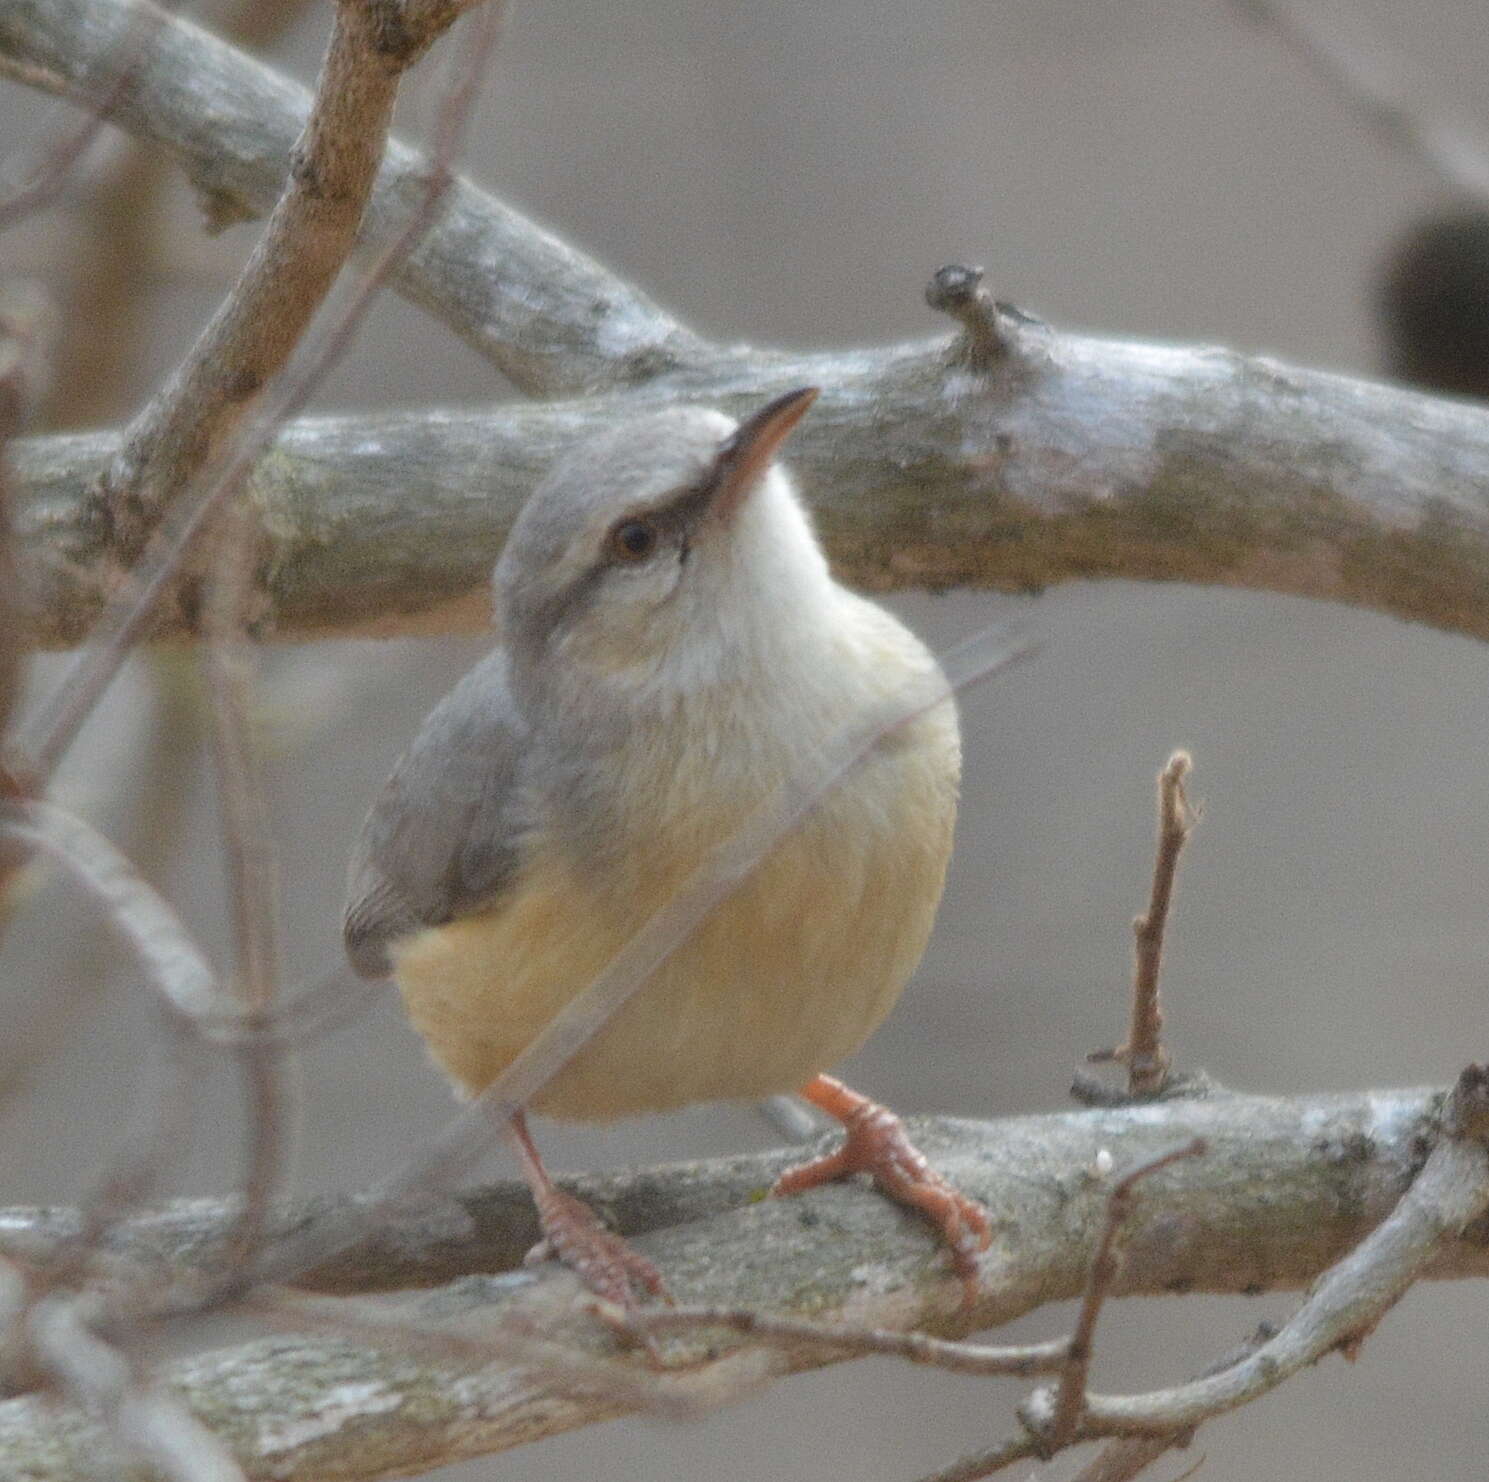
x=633, y=540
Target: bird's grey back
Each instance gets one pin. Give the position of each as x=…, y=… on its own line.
x=442, y=837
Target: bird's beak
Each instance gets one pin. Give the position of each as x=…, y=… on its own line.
x=747, y=454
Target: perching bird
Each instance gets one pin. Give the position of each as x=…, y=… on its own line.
x=672, y=647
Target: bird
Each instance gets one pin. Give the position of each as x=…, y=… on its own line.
x=671, y=646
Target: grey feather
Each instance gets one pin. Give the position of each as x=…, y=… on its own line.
x=443, y=837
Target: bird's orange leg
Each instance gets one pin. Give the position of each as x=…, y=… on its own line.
x=877, y=1144
x=573, y=1234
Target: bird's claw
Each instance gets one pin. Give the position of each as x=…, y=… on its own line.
x=878, y=1144
x=612, y=1269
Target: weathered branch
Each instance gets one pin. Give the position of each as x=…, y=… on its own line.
x=1288, y=1188
x=1073, y=458
x=1032, y=459
x=550, y=319
x=291, y=269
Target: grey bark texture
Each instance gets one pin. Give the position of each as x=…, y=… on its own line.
x=1008, y=456
x=1287, y=1188
x=1072, y=458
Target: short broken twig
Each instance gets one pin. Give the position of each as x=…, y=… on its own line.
x=1144, y=1055
x=958, y=291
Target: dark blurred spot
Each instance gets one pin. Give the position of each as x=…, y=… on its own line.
x=1433, y=303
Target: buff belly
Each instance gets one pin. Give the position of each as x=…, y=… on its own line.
x=786, y=978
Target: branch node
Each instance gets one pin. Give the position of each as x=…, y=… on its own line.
x=1184, y=1085
x=987, y=324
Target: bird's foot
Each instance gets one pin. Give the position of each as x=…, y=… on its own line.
x=621, y=1277
x=606, y=1264
x=877, y=1144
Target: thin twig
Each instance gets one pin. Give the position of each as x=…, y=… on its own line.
x=552, y=320
x=172, y=961
x=918, y=1348
x=1344, y=1304
x=231, y=670
x=1144, y=1054
x=151, y=814
x=1368, y=83
x=22, y=315
x=154, y=1425
x=114, y=247
x=399, y=1330
x=1070, y=1393
x=789, y=1117
x=308, y=238
x=986, y=1462
x=24, y=341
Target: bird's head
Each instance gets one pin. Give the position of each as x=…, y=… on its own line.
x=659, y=550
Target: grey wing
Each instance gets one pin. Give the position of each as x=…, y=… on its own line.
x=442, y=837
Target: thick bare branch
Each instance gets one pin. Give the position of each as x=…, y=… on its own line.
x=307, y=239
x=551, y=320
x=1073, y=458
x=1288, y=1188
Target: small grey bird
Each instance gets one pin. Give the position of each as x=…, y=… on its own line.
x=672, y=645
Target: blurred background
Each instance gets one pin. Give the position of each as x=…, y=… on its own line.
x=791, y=173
